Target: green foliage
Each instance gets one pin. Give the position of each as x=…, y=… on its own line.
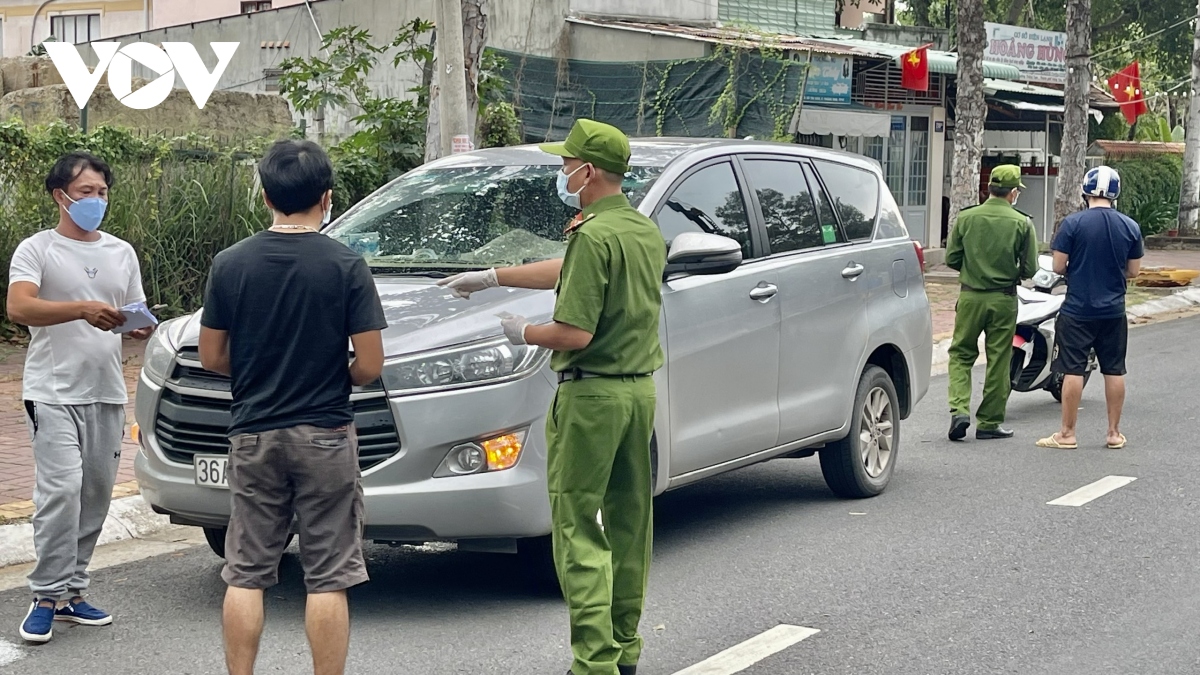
x=391, y=135
x=1150, y=190
x=177, y=201
x=1153, y=129
x=499, y=126
x=1113, y=128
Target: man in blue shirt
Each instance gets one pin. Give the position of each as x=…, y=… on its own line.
x=1099, y=249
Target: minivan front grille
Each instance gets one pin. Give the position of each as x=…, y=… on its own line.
x=189, y=424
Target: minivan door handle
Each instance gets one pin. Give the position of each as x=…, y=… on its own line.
x=853, y=271
x=764, y=292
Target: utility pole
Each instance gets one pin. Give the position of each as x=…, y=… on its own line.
x=452, y=108
x=1189, y=191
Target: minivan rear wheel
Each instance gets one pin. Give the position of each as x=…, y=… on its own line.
x=215, y=536
x=860, y=465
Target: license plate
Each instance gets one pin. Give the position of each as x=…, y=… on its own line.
x=212, y=471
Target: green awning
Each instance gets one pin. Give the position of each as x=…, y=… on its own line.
x=947, y=64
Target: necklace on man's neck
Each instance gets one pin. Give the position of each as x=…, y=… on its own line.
x=309, y=228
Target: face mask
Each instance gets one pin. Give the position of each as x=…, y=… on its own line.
x=569, y=198
x=87, y=212
x=328, y=215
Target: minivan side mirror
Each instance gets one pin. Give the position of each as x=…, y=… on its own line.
x=702, y=253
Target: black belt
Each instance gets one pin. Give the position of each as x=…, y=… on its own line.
x=577, y=374
x=1007, y=290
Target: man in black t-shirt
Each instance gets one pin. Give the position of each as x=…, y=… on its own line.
x=278, y=310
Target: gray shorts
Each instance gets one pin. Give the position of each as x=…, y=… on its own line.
x=308, y=472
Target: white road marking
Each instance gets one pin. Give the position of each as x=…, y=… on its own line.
x=1087, y=493
x=9, y=653
x=742, y=656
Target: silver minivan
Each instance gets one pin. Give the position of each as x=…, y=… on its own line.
x=794, y=322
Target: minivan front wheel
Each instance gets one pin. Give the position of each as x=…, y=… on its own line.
x=861, y=464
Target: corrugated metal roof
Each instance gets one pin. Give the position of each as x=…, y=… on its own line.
x=992, y=86
x=1117, y=148
x=720, y=35
x=939, y=61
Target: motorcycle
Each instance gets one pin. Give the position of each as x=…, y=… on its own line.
x=1034, y=345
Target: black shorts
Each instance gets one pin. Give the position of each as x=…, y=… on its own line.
x=1077, y=338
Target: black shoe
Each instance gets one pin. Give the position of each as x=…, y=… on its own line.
x=627, y=670
x=958, y=427
x=993, y=434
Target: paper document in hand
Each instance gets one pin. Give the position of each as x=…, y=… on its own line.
x=137, y=316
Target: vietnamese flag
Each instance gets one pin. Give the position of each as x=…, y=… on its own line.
x=1126, y=86
x=914, y=69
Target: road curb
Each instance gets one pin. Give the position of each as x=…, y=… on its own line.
x=1177, y=301
x=128, y=518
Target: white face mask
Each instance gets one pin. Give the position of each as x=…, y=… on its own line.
x=569, y=198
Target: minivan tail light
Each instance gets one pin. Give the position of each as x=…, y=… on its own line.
x=920, y=255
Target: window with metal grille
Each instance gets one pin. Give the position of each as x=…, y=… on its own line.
x=75, y=28
x=255, y=6
x=894, y=166
x=879, y=83
x=271, y=78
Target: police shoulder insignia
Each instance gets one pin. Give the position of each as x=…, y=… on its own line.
x=1022, y=213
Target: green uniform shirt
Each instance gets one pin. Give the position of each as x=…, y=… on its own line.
x=611, y=287
x=992, y=246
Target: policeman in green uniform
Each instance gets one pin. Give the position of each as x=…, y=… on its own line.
x=598, y=431
x=993, y=247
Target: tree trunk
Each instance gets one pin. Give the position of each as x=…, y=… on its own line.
x=1015, y=10
x=474, y=14
x=970, y=108
x=920, y=10
x=1189, y=191
x=1072, y=155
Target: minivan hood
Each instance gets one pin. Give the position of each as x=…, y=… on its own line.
x=422, y=316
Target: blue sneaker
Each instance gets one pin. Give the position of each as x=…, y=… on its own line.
x=39, y=623
x=80, y=612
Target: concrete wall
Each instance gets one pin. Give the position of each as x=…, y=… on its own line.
x=225, y=113
x=593, y=43
x=527, y=26
x=681, y=11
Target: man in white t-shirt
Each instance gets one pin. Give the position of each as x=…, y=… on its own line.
x=66, y=285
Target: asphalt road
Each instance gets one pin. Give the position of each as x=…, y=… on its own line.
x=960, y=567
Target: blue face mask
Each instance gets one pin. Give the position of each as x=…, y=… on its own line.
x=87, y=212
x=569, y=198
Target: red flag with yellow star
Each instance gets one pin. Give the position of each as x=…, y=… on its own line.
x=1126, y=87
x=914, y=69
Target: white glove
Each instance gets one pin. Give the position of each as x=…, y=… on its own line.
x=514, y=327
x=463, y=285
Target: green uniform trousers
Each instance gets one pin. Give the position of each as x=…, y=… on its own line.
x=598, y=437
x=994, y=315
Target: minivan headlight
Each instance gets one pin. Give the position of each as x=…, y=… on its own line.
x=487, y=362
x=160, y=356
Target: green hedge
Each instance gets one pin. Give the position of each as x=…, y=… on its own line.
x=1150, y=190
x=177, y=201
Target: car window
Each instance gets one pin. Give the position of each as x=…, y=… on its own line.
x=891, y=223
x=855, y=195
x=709, y=200
x=788, y=210
x=824, y=208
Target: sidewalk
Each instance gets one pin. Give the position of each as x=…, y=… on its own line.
x=16, y=459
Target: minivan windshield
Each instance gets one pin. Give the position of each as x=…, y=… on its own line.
x=436, y=222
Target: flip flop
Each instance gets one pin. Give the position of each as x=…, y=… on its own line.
x=1117, y=446
x=1052, y=441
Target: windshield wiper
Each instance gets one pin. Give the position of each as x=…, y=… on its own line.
x=404, y=271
